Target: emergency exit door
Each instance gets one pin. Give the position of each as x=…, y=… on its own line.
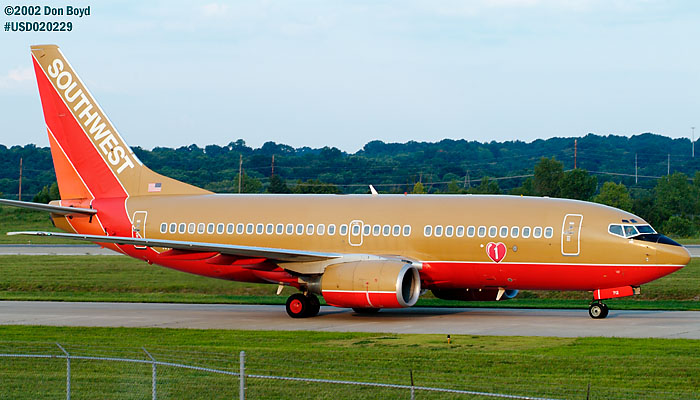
x=571, y=235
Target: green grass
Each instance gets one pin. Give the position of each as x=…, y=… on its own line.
x=122, y=279
x=554, y=367
x=18, y=219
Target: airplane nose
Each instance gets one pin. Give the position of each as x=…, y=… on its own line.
x=672, y=255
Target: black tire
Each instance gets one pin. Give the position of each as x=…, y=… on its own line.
x=365, y=310
x=314, y=305
x=298, y=306
x=598, y=311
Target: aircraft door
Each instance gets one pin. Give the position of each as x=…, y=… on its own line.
x=138, y=228
x=571, y=235
x=355, y=233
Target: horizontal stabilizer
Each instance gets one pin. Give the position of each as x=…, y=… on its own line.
x=280, y=255
x=48, y=207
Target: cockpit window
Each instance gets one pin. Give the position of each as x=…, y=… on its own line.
x=628, y=231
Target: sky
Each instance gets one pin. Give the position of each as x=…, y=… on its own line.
x=342, y=73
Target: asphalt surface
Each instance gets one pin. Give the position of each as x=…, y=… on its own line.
x=454, y=321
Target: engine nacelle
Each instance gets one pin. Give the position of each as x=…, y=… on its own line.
x=371, y=284
x=473, y=294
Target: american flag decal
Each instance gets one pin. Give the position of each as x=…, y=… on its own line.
x=154, y=187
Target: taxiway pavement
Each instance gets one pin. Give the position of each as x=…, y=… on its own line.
x=454, y=321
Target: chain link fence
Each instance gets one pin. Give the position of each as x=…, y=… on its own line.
x=57, y=373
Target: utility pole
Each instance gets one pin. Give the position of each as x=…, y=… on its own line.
x=273, y=166
x=692, y=130
x=240, y=171
x=575, y=148
x=20, y=179
x=635, y=168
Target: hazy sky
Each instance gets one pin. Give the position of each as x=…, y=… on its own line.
x=342, y=73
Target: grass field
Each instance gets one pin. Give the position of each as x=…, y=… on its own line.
x=17, y=219
x=554, y=367
x=107, y=278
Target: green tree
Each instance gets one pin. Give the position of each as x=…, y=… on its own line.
x=679, y=226
x=418, y=188
x=548, y=175
x=527, y=189
x=47, y=193
x=578, y=184
x=675, y=196
x=454, y=188
x=615, y=195
x=315, y=186
x=278, y=185
x=487, y=186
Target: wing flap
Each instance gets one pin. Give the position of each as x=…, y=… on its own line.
x=251, y=252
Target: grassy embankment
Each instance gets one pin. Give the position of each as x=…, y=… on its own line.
x=17, y=219
x=553, y=367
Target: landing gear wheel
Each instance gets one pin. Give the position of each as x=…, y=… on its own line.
x=314, y=305
x=298, y=305
x=365, y=310
x=598, y=310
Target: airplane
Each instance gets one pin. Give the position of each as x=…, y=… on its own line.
x=365, y=252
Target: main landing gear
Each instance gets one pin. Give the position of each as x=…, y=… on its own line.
x=303, y=306
x=598, y=310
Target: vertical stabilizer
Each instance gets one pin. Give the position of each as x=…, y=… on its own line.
x=90, y=157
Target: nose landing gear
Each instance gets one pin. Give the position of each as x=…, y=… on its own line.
x=303, y=306
x=598, y=310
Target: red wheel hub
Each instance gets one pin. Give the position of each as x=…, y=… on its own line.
x=296, y=306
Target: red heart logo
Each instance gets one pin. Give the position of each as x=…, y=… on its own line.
x=496, y=251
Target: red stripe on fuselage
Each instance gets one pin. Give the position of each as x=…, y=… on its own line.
x=534, y=276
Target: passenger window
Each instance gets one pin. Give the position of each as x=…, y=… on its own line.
x=230, y=228
x=482, y=231
x=280, y=229
x=290, y=229
x=548, y=232
x=397, y=230
x=331, y=229
x=200, y=228
x=182, y=228
x=449, y=231
x=537, y=232
x=343, y=230
x=300, y=229
x=427, y=231
x=173, y=227
x=471, y=231
x=514, y=232
x=376, y=230
x=355, y=230
x=493, y=231
x=526, y=232
x=249, y=229
x=310, y=229
x=504, y=232
x=460, y=231
x=386, y=230
x=210, y=228
x=239, y=229
x=164, y=227
x=407, y=230
x=259, y=228
x=438, y=230
x=320, y=229
x=220, y=229
x=270, y=229
x=366, y=229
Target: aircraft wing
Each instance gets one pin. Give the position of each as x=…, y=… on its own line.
x=48, y=207
x=281, y=255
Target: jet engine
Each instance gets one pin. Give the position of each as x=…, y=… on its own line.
x=370, y=284
x=473, y=294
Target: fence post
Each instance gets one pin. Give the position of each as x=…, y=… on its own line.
x=241, y=390
x=67, y=370
x=413, y=390
x=153, y=374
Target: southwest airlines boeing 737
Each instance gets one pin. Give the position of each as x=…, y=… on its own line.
x=366, y=252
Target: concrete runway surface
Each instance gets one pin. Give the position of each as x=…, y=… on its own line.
x=470, y=321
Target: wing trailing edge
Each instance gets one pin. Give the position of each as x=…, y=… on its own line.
x=48, y=207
